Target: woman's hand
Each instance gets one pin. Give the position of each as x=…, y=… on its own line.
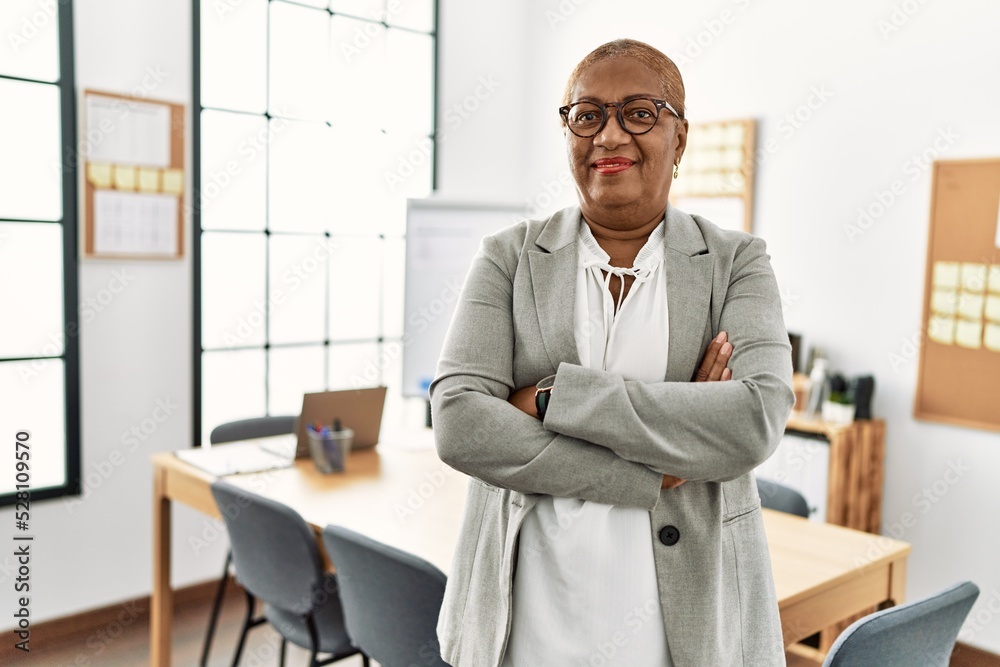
x=524, y=400
x=713, y=365
x=713, y=369
x=671, y=482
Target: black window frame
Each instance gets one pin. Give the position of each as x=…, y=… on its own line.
x=198, y=349
x=69, y=221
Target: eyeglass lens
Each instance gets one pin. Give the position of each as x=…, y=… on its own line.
x=586, y=118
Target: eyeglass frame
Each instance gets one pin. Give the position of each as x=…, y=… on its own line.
x=659, y=104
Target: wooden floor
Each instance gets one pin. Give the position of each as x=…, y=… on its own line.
x=131, y=649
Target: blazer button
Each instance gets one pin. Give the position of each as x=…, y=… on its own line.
x=669, y=535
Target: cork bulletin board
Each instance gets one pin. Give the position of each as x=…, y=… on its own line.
x=717, y=173
x=959, y=377
x=133, y=176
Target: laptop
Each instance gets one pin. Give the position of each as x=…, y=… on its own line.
x=357, y=409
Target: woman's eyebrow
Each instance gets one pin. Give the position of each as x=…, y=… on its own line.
x=633, y=96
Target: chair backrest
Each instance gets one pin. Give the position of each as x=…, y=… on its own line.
x=919, y=633
x=274, y=550
x=257, y=427
x=778, y=497
x=391, y=599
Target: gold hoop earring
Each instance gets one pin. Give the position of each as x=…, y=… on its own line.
x=676, y=167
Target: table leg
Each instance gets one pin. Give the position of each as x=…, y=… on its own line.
x=897, y=583
x=162, y=604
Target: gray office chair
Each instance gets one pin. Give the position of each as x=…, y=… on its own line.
x=391, y=599
x=277, y=560
x=919, y=633
x=257, y=427
x=243, y=429
x=778, y=497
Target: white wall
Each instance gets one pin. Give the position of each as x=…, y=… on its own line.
x=135, y=360
x=860, y=300
x=481, y=152
x=891, y=94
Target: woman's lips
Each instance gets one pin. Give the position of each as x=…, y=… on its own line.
x=614, y=165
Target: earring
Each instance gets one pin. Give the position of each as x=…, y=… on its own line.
x=676, y=167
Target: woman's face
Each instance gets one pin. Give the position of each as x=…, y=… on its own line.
x=623, y=179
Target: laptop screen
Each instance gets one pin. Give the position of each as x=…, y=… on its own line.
x=357, y=409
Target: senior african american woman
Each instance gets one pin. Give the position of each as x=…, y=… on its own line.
x=612, y=376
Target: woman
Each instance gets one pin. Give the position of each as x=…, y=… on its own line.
x=612, y=515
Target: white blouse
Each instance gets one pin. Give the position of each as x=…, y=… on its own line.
x=585, y=592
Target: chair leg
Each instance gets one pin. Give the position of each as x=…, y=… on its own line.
x=313, y=640
x=365, y=660
x=247, y=624
x=284, y=646
x=216, y=608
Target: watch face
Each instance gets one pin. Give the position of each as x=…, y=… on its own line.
x=546, y=382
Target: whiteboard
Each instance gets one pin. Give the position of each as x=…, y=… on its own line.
x=442, y=237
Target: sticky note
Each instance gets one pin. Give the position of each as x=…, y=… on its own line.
x=732, y=158
x=99, y=175
x=973, y=277
x=713, y=182
x=713, y=159
x=970, y=306
x=995, y=278
x=945, y=275
x=713, y=135
x=173, y=181
x=944, y=302
x=125, y=178
x=991, y=337
x=941, y=330
x=149, y=180
x=993, y=308
x=734, y=134
x=969, y=333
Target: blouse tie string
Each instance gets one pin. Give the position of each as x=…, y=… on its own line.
x=641, y=274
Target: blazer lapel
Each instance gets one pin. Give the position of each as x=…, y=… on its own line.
x=689, y=267
x=553, y=281
x=689, y=270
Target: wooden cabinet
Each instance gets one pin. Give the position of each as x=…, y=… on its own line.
x=856, y=471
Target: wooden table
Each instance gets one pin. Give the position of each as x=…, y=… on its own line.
x=403, y=495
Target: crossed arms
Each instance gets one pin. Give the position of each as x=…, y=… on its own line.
x=604, y=438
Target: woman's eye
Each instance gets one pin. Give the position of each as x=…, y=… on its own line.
x=641, y=114
x=587, y=117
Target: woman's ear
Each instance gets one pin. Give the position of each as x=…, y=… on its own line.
x=680, y=138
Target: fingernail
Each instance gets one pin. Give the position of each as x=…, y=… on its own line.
x=726, y=348
x=721, y=337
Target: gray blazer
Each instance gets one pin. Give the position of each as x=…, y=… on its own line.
x=610, y=440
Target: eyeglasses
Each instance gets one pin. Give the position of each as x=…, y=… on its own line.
x=638, y=116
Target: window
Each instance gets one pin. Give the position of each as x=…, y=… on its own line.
x=314, y=123
x=39, y=351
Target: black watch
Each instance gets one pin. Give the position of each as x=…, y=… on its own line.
x=543, y=393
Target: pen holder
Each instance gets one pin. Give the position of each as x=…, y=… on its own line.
x=329, y=452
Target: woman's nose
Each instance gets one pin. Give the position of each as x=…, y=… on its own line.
x=612, y=134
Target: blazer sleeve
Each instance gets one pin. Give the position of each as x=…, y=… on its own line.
x=698, y=431
x=479, y=433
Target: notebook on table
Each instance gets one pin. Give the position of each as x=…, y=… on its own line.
x=245, y=456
